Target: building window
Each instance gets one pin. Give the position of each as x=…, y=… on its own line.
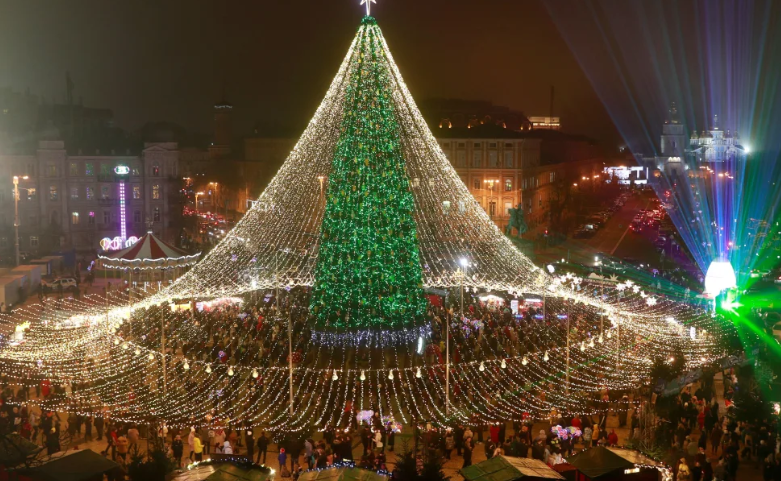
x=33, y=241
x=552, y=177
x=445, y=145
x=508, y=159
x=106, y=217
x=74, y=193
x=155, y=170
x=135, y=171
x=31, y=170
x=51, y=170
x=508, y=145
x=476, y=183
x=74, y=218
x=74, y=169
x=53, y=194
x=461, y=145
x=136, y=191
x=492, y=208
x=91, y=218
x=477, y=159
x=105, y=169
x=32, y=220
x=90, y=192
x=508, y=185
x=105, y=192
x=156, y=214
x=137, y=217
x=155, y=192
x=31, y=193
x=461, y=158
x=539, y=201
x=493, y=159
x=89, y=168
x=507, y=207
x=492, y=145
x=477, y=145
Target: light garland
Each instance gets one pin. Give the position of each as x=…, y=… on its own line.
x=114, y=351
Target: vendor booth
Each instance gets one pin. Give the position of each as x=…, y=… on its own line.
x=508, y=468
x=618, y=464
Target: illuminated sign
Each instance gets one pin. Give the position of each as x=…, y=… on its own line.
x=632, y=471
x=122, y=170
x=115, y=244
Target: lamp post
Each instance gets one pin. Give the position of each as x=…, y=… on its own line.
x=16, y=215
x=491, y=183
x=464, y=264
x=196, y=200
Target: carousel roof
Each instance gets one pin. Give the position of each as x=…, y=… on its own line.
x=149, y=252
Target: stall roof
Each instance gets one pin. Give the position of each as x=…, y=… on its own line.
x=341, y=474
x=508, y=468
x=74, y=466
x=598, y=461
x=220, y=472
x=14, y=450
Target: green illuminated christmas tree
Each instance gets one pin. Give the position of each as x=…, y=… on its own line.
x=368, y=273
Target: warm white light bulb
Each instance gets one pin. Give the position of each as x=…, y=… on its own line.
x=482, y=366
x=390, y=375
x=504, y=364
x=255, y=373
x=363, y=376
x=418, y=374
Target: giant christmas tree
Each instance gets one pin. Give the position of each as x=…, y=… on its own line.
x=368, y=272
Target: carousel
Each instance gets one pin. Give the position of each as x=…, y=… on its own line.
x=149, y=261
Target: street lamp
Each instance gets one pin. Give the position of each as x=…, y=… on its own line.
x=16, y=214
x=491, y=183
x=196, y=200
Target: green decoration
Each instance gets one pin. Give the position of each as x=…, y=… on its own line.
x=368, y=274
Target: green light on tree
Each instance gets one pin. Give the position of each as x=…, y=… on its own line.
x=368, y=273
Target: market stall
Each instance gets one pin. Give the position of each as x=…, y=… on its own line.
x=509, y=468
x=149, y=260
x=609, y=464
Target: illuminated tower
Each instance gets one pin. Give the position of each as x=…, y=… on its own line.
x=673, y=136
x=220, y=146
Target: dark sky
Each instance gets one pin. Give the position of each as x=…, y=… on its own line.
x=167, y=59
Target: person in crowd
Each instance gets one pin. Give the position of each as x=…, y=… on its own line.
x=177, y=448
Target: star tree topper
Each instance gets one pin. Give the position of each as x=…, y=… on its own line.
x=368, y=4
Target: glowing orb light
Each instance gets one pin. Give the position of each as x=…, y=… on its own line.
x=720, y=276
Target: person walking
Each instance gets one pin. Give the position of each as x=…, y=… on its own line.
x=191, y=443
x=198, y=448
x=467, y=452
x=177, y=447
x=262, y=447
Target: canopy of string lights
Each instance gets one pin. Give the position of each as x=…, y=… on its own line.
x=314, y=305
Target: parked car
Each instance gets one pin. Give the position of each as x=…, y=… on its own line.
x=66, y=283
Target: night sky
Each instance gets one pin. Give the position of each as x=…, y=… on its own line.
x=152, y=60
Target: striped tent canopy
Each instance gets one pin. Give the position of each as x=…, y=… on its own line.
x=149, y=252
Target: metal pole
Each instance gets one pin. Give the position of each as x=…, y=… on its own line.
x=162, y=350
x=16, y=217
x=569, y=314
x=289, y=329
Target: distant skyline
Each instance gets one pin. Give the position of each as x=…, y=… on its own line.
x=169, y=61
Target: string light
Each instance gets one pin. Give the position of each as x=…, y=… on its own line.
x=280, y=244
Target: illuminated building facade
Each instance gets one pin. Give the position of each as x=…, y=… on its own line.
x=73, y=200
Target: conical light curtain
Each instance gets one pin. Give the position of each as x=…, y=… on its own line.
x=369, y=115
x=368, y=272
